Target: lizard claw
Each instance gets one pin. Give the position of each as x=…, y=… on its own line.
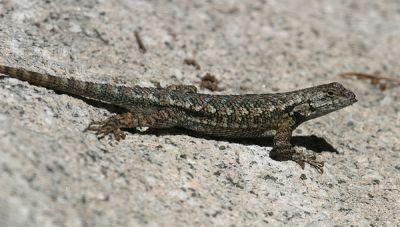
x=301, y=159
x=298, y=157
x=105, y=127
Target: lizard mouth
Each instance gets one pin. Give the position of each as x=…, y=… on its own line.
x=353, y=97
x=346, y=102
x=328, y=107
x=352, y=101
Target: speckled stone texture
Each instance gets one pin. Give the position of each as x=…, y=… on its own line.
x=54, y=174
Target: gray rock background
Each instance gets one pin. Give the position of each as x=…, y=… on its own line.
x=53, y=174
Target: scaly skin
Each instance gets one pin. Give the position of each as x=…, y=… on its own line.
x=253, y=115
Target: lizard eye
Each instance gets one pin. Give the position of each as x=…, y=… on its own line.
x=330, y=93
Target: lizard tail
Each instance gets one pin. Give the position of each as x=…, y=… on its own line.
x=97, y=91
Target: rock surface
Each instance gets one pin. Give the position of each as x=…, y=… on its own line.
x=54, y=174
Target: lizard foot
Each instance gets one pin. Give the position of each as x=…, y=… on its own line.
x=105, y=127
x=289, y=153
x=301, y=158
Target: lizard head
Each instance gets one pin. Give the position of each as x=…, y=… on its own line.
x=323, y=99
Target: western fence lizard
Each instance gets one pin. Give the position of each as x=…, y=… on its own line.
x=251, y=115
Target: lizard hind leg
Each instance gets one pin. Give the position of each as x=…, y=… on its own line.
x=164, y=118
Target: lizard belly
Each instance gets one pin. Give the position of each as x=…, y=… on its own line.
x=229, y=129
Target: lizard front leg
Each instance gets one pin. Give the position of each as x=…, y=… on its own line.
x=283, y=150
x=164, y=118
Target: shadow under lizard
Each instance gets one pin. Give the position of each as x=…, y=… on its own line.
x=230, y=116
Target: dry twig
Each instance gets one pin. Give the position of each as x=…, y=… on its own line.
x=375, y=79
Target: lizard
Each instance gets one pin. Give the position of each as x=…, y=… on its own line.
x=230, y=116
